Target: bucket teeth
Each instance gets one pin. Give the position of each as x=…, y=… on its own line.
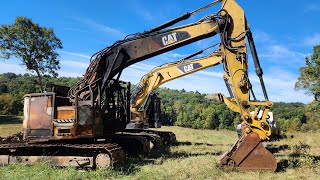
x=248, y=154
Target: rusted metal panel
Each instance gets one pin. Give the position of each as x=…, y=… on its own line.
x=38, y=115
x=248, y=153
x=66, y=112
x=85, y=116
x=84, y=131
x=98, y=124
x=64, y=128
x=26, y=110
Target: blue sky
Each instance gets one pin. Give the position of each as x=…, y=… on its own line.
x=285, y=32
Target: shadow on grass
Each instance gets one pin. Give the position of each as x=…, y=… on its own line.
x=131, y=166
x=282, y=165
x=10, y=119
x=134, y=164
x=275, y=148
x=188, y=143
x=296, y=162
x=179, y=155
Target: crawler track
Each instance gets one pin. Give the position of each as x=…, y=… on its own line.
x=106, y=152
x=84, y=155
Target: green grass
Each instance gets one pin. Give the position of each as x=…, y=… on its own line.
x=194, y=157
x=10, y=125
x=4, y=119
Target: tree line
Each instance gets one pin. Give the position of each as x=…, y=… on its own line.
x=14, y=86
x=192, y=109
x=178, y=107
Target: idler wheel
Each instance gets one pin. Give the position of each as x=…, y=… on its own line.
x=103, y=161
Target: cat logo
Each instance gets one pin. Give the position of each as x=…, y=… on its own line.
x=188, y=68
x=169, y=39
x=185, y=68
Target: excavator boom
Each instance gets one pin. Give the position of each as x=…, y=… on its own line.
x=150, y=82
x=112, y=60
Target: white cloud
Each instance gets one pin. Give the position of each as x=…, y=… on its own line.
x=176, y=55
x=169, y=57
x=281, y=52
x=141, y=10
x=212, y=74
x=69, y=74
x=75, y=54
x=112, y=32
x=280, y=87
x=15, y=68
x=312, y=40
x=199, y=82
x=312, y=8
x=135, y=72
x=262, y=37
x=75, y=64
x=280, y=55
x=142, y=66
x=75, y=30
x=205, y=43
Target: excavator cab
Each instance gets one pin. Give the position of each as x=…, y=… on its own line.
x=153, y=111
x=48, y=116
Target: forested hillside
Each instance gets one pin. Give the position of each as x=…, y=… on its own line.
x=14, y=86
x=186, y=109
x=192, y=109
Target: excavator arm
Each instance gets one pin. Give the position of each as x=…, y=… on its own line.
x=111, y=61
x=248, y=152
x=233, y=37
x=162, y=74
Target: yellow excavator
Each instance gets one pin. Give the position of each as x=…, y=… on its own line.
x=170, y=71
x=86, y=127
x=149, y=83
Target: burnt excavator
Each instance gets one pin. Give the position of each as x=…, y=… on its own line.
x=85, y=126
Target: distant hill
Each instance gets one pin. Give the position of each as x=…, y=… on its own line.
x=179, y=107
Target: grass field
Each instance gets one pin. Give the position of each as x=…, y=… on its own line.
x=194, y=157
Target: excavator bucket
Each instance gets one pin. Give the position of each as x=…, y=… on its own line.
x=248, y=154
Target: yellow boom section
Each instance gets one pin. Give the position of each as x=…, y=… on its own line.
x=168, y=72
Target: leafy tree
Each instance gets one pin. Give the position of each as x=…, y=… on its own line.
x=16, y=86
x=211, y=118
x=34, y=45
x=309, y=74
x=312, y=112
x=10, y=104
